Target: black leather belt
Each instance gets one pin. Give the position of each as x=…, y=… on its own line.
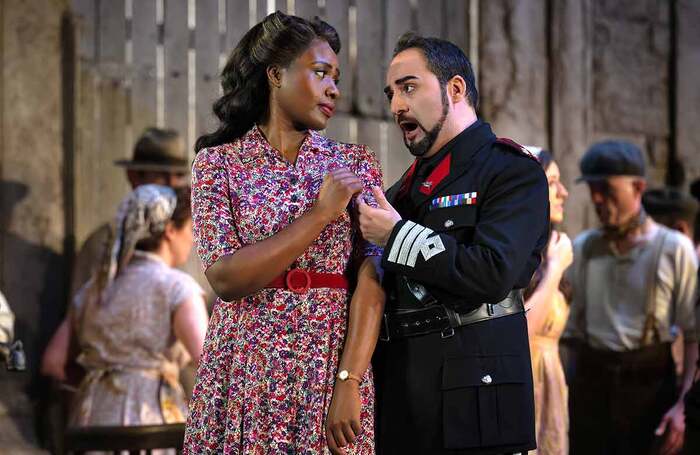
x=439, y=318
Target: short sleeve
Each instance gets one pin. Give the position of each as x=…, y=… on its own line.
x=686, y=268
x=183, y=288
x=368, y=169
x=212, y=217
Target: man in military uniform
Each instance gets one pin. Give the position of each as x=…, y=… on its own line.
x=462, y=233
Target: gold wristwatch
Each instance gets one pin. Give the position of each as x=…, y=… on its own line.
x=345, y=375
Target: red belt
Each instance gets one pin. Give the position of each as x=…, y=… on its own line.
x=300, y=281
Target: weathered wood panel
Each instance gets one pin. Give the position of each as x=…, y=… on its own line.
x=336, y=14
x=85, y=13
x=687, y=94
x=176, y=70
x=144, y=84
x=33, y=231
x=430, y=18
x=207, y=64
x=514, y=69
x=571, y=66
x=398, y=158
x=398, y=22
x=631, y=52
x=457, y=23
x=369, y=97
x=237, y=23
x=307, y=8
x=109, y=183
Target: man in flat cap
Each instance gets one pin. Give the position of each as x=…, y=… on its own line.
x=633, y=280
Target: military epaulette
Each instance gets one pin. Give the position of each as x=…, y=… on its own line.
x=514, y=146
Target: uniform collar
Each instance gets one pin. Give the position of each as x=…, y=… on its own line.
x=255, y=145
x=430, y=163
x=449, y=162
x=465, y=145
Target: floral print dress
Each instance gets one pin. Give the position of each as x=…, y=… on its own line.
x=266, y=377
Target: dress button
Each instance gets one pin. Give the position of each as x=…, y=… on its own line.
x=294, y=180
x=294, y=198
x=487, y=379
x=449, y=223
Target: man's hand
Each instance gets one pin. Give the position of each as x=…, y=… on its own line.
x=343, y=421
x=376, y=224
x=673, y=424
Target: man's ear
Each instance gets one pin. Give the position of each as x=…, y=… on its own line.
x=457, y=89
x=274, y=76
x=640, y=185
x=134, y=178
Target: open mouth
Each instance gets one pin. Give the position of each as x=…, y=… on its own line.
x=409, y=129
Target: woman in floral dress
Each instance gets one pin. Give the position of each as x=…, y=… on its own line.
x=285, y=368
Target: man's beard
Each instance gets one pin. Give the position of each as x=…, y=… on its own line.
x=420, y=148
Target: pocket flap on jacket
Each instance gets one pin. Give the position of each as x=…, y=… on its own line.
x=484, y=370
x=448, y=218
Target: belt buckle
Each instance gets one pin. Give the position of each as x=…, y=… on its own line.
x=447, y=332
x=385, y=324
x=291, y=277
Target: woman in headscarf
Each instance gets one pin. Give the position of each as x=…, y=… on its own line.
x=128, y=320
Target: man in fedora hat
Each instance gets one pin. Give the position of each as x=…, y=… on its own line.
x=159, y=157
x=633, y=280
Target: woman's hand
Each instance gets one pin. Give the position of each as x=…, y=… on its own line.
x=343, y=421
x=560, y=253
x=338, y=187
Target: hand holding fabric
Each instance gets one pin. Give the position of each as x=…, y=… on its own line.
x=376, y=224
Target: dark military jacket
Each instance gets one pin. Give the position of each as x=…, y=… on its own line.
x=475, y=222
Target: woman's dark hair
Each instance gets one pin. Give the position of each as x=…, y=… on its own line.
x=181, y=214
x=445, y=61
x=276, y=41
x=545, y=158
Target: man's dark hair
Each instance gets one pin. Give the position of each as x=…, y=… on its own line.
x=445, y=60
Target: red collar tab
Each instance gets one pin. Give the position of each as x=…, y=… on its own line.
x=441, y=171
x=511, y=144
x=407, y=179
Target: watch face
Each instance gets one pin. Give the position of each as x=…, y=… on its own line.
x=343, y=375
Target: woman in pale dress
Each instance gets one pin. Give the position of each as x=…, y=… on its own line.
x=546, y=303
x=131, y=320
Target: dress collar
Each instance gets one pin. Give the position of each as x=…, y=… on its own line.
x=254, y=145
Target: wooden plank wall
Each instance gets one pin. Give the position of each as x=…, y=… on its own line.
x=157, y=62
x=145, y=62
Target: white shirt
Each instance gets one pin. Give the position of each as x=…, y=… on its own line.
x=7, y=321
x=614, y=289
